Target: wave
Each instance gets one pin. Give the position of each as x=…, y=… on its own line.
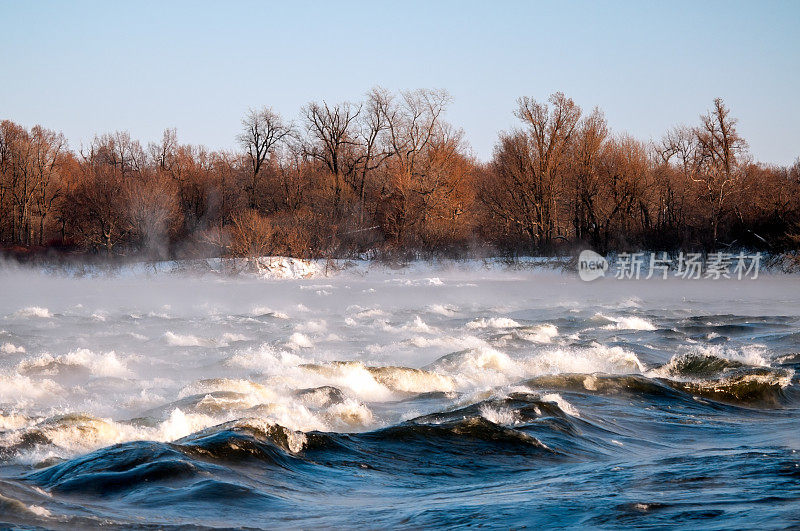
x=487, y=366
x=267, y=441
x=789, y=360
x=25, y=505
x=21, y=390
x=448, y=310
x=630, y=385
x=321, y=408
x=409, y=380
x=34, y=311
x=346, y=396
x=76, y=361
x=544, y=333
x=188, y=340
x=122, y=469
x=493, y=322
x=630, y=322
x=686, y=375
x=298, y=341
x=726, y=380
x=263, y=311
x=10, y=348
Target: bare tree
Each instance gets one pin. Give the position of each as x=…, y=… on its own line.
x=19, y=180
x=97, y=217
x=414, y=124
x=6, y=210
x=373, y=153
x=163, y=154
x=549, y=135
x=509, y=192
x=414, y=127
x=332, y=137
x=15, y=182
x=48, y=148
x=119, y=151
x=719, y=149
x=531, y=164
x=590, y=138
x=621, y=209
x=151, y=213
x=263, y=131
x=677, y=157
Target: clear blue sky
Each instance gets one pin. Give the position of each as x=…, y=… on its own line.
x=93, y=67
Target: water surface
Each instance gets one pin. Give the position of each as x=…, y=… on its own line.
x=418, y=397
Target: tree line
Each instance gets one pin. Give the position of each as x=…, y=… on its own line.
x=389, y=174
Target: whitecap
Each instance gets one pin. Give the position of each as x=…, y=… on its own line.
x=493, y=322
x=298, y=340
x=631, y=322
x=34, y=311
x=10, y=348
x=187, y=340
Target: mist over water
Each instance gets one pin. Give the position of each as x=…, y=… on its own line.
x=449, y=394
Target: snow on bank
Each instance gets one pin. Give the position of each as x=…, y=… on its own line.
x=282, y=267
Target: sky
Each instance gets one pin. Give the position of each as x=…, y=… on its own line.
x=88, y=68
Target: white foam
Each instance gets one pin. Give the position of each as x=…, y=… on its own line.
x=187, y=340
x=34, y=311
x=241, y=386
x=265, y=358
x=486, y=366
x=179, y=425
x=754, y=355
x=443, y=309
x=595, y=358
x=12, y=421
x=627, y=323
x=369, y=313
x=493, y=322
x=39, y=511
x=298, y=340
x=543, y=333
x=349, y=414
x=412, y=380
x=312, y=326
x=352, y=376
x=20, y=389
x=447, y=342
x=500, y=416
x=418, y=325
x=99, y=364
x=228, y=338
x=10, y=348
x=562, y=404
x=263, y=310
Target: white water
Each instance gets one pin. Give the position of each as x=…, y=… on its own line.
x=92, y=362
